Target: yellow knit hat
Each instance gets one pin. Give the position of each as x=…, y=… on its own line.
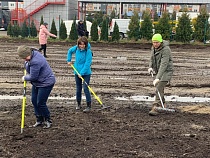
x=157, y=37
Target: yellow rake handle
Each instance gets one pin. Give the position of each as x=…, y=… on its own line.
x=97, y=98
x=23, y=104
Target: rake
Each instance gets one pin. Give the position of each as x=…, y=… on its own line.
x=162, y=109
x=96, y=97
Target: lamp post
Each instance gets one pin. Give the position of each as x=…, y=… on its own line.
x=29, y=24
x=17, y=11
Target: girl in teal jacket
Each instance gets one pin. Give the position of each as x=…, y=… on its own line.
x=82, y=63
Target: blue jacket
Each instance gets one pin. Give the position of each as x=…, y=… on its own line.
x=39, y=72
x=83, y=59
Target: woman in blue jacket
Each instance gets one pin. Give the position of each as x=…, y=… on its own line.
x=83, y=60
x=42, y=79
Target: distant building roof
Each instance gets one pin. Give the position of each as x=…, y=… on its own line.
x=148, y=1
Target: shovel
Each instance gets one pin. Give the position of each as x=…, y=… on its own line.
x=96, y=97
x=160, y=109
x=23, y=104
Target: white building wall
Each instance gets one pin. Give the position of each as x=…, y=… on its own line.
x=96, y=6
x=72, y=9
x=195, y=8
x=12, y=5
x=52, y=11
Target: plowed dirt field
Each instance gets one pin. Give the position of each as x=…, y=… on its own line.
x=124, y=131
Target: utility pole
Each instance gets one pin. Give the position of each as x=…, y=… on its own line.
x=29, y=25
x=17, y=11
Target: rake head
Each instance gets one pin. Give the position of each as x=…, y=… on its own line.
x=160, y=109
x=104, y=107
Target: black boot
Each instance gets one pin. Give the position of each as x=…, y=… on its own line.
x=40, y=50
x=78, y=107
x=88, y=108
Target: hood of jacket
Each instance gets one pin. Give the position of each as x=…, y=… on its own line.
x=163, y=44
x=42, y=26
x=88, y=46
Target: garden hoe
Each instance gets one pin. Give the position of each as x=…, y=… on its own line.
x=162, y=109
x=96, y=97
x=23, y=104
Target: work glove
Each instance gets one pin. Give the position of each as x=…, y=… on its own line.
x=23, y=78
x=150, y=70
x=70, y=63
x=155, y=82
x=80, y=76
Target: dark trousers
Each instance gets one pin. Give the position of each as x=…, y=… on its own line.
x=39, y=99
x=161, y=86
x=43, y=47
x=79, y=88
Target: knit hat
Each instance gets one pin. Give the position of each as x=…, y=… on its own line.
x=24, y=51
x=45, y=24
x=157, y=37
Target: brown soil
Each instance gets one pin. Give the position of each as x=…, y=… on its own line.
x=126, y=130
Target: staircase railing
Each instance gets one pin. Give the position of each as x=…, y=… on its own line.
x=37, y=5
x=21, y=14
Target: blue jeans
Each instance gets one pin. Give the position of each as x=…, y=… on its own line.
x=79, y=88
x=39, y=97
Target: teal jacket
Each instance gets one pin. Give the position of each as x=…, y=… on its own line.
x=83, y=59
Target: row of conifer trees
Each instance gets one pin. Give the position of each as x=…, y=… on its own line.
x=183, y=32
